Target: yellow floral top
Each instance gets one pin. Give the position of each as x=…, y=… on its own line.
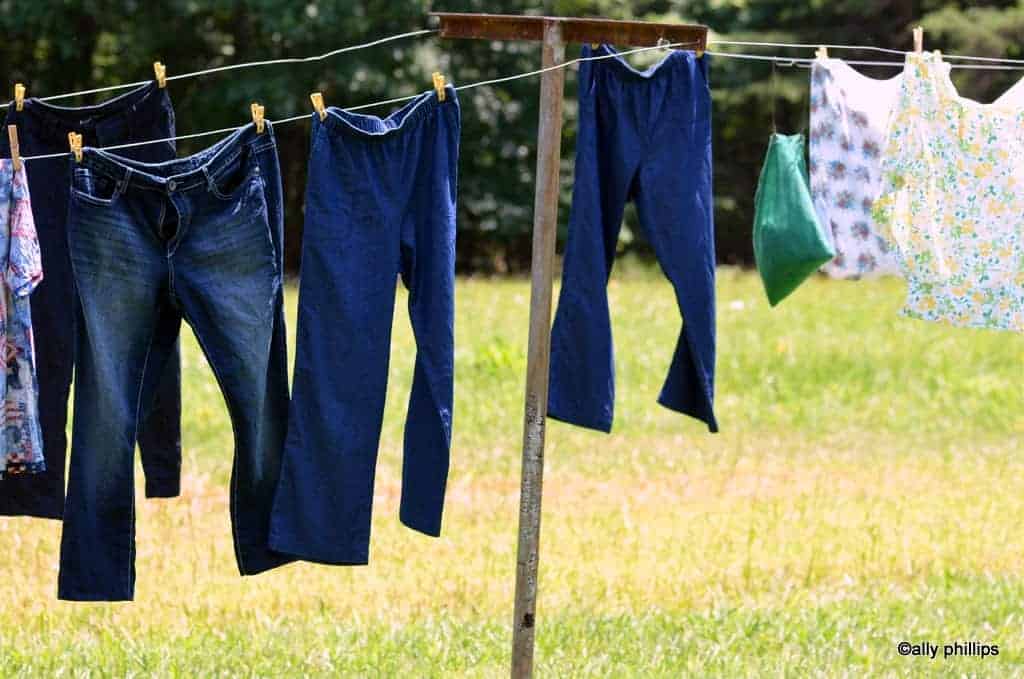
x=952, y=201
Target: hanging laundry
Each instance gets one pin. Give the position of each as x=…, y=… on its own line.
x=789, y=244
x=22, y=445
x=849, y=114
x=380, y=204
x=195, y=239
x=952, y=201
x=142, y=114
x=646, y=137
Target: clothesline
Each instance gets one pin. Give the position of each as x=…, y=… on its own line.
x=865, y=48
x=248, y=64
x=786, y=61
x=395, y=100
x=804, y=62
x=427, y=31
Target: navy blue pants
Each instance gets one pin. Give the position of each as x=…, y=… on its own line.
x=380, y=204
x=191, y=239
x=141, y=114
x=646, y=137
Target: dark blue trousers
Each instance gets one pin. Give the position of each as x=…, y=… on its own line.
x=380, y=204
x=141, y=114
x=191, y=239
x=645, y=137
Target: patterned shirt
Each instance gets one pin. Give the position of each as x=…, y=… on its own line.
x=849, y=114
x=21, y=448
x=953, y=201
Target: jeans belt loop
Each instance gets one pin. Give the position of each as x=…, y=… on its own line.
x=122, y=185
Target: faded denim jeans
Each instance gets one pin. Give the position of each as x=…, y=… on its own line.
x=194, y=239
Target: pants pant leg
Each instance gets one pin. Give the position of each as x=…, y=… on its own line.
x=674, y=204
x=428, y=269
x=228, y=284
x=160, y=425
x=350, y=263
x=608, y=148
x=119, y=273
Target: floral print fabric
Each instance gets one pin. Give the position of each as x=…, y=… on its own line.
x=849, y=114
x=21, y=448
x=953, y=201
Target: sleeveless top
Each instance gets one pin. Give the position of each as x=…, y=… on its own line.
x=952, y=200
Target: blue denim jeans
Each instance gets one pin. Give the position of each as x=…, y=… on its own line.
x=197, y=239
x=143, y=113
x=646, y=137
x=380, y=203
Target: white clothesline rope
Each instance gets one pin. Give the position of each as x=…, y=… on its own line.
x=248, y=64
x=428, y=31
x=395, y=100
x=804, y=61
x=865, y=48
x=788, y=61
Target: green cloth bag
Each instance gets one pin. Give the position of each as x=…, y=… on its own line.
x=789, y=244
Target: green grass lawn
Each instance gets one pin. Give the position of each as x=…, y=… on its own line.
x=867, y=488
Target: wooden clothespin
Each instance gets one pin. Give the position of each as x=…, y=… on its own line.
x=257, y=117
x=918, y=39
x=75, y=142
x=663, y=44
x=821, y=53
x=439, y=85
x=160, y=71
x=19, y=96
x=12, y=134
x=318, y=104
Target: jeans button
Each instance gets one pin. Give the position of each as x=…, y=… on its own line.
x=171, y=185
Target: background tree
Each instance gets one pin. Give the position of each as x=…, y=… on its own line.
x=60, y=46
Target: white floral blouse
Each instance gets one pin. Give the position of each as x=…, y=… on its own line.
x=952, y=201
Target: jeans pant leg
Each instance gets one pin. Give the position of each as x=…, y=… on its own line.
x=674, y=204
x=119, y=273
x=428, y=269
x=582, y=375
x=350, y=262
x=228, y=284
x=160, y=423
x=160, y=420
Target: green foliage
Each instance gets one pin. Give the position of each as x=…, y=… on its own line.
x=59, y=46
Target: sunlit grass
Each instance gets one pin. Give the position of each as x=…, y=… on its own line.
x=867, y=487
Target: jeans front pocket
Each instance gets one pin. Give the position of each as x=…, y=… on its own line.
x=94, y=187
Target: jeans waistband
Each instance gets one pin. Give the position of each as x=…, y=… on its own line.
x=425, y=104
x=182, y=174
x=136, y=107
x=616, y=61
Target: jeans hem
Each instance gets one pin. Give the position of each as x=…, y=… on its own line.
x=86, y=596
x=556, y=413
x=329, y=557
x=429, y=528
x=52, y=514
x=163, y=489
x=708, y=419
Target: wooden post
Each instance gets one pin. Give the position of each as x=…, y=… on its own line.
x=553, y=32
x=538, y=357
